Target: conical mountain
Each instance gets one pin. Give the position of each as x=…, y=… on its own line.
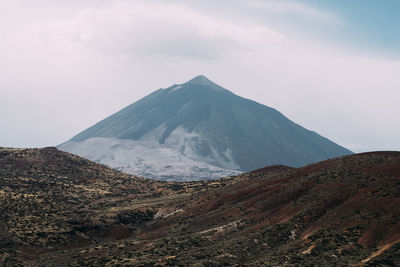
x=199, y=130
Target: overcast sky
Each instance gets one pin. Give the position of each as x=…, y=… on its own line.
x=330, y=66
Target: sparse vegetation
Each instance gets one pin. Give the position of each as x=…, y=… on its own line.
x=59, y=209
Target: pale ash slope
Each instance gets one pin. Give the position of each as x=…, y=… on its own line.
x=146, y=159
x=206, y=123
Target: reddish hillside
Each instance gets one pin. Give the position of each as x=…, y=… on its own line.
x=341, y=211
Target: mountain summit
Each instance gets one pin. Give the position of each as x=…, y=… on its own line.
x=199, y=130
x=204, y=81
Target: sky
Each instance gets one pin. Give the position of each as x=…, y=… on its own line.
x=331, y=66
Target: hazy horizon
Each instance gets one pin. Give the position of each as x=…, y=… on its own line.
x=333, y=68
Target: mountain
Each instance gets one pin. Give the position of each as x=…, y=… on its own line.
x=58, y=209
x=199, y=130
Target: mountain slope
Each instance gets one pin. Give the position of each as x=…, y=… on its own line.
x=54, y=201
x=146, y=159
x=209, y=124
x=59, y=209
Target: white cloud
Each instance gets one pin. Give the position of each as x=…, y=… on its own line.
x=292, y=7
x=139, y=27
x=63, y=73
x=10, y=2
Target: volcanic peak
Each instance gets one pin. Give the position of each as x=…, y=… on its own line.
x=204, y=81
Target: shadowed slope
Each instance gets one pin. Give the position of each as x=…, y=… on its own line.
x=55, y=201
x=60, y=209
x=343, y=211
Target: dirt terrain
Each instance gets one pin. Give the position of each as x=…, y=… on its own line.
x=60, y=209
